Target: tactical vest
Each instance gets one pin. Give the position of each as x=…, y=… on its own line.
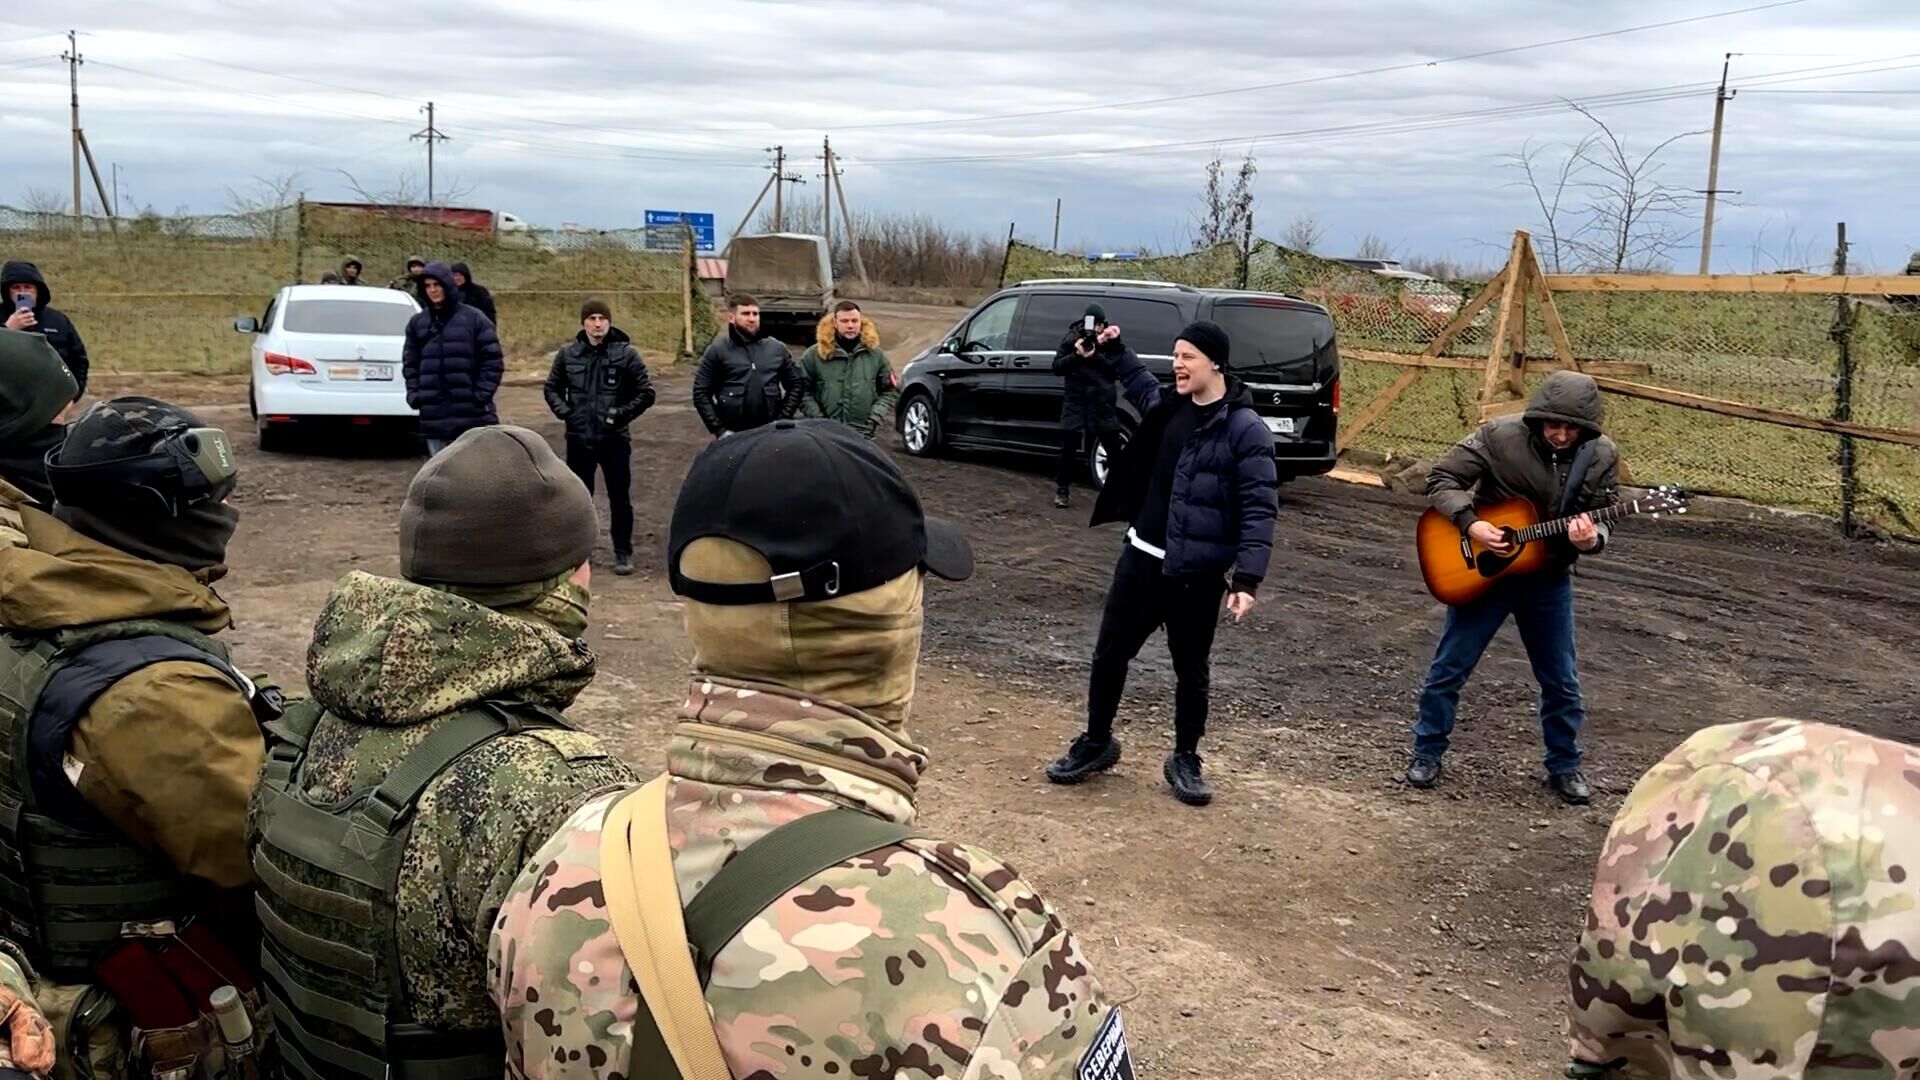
x=329, y=881
x=71, y=886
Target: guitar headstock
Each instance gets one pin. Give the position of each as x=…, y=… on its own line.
x=1666, y=499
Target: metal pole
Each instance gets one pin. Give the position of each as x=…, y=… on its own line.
x=1713, y=165
x=430, y=132
x=1056, y=224
x=1843, y=387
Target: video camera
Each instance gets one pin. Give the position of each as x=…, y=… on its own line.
x=1088, y=332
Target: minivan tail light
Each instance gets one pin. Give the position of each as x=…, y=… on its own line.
x=278, y=364
x=1336, y=397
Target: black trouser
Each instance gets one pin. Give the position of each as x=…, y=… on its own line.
x=1142, y=600
x=613, y=456
x=1071, y=445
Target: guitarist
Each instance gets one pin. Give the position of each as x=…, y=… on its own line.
x=1554, y=454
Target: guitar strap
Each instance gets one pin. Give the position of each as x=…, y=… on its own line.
x=1576, y=477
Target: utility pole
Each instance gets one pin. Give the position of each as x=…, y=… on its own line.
x=432, y=135
x=779, y=188
x=74, y=60
x=116, y=189
x=826, y=192
x=846, y=216
x=1056, y=224
x=1720, y=99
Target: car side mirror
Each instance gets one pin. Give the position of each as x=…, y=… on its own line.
x=247, y=325
x=951, y=346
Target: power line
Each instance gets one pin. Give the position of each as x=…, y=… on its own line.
x=271, y=99
x=1507, y=51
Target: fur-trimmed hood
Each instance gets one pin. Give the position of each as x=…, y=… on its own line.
x=824, y=337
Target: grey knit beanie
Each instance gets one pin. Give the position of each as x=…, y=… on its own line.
x=497, y=507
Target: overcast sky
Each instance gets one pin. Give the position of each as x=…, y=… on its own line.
x=592, y=111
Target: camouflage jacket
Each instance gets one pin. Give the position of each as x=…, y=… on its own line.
x=928, y=958
x=388, y=659
x=1753, y=914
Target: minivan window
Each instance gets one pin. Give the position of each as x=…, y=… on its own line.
x=1147, y=326
x=360, y=318
x=990, y=330
x=1047, y=319
x=1276, y=337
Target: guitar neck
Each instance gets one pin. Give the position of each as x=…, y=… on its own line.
x=1603, y=516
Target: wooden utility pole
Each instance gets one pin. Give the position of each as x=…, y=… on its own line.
x=846, y=215
x=781, y=178
x=1720, y=99
x=1843, y=388
x=74, y=60
x=1056, y=224
x=826, y=192
x=432, y=135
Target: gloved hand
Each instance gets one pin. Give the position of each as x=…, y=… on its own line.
x=29, y=1038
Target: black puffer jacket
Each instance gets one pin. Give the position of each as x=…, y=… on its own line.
x=1509, y=457
x=475, y=295
x=598, y=389
x=54, y=326
x=452, y=363
x=1091, y=391
x=743, y=383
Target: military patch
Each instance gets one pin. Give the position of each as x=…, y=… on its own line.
x=1107, y=1058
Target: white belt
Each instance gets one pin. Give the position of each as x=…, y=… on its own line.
x=1134, y=539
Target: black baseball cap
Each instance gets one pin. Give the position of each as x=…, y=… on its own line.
x=828, y=511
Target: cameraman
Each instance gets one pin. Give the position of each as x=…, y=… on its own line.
x=1088, y=358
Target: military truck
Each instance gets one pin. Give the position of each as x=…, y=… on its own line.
x=790, y=274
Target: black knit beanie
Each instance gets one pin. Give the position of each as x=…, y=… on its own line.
x=1099, y=313
x=1210, y=339
x=498, y=507
x=595, y=306
x=195, y=539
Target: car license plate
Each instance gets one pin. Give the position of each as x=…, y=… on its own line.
x=1279, y=425
x=361, y=372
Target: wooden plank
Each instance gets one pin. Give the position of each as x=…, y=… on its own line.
x=1355, y=476
x=1557, y=330
x=1502, y=325
x=1905, y=437
x=1807, y=284
x=1461, y=321
x=1517, y=368
x=1377, y=407
x=1450, y=363
x=1501, y=408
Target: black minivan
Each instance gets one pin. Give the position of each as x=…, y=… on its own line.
x=991, y=384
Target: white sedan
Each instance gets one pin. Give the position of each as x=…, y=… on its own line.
x=329, y=354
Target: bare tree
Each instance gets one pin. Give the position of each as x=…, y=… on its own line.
x=1372, y=246
x=1637, y=221
x=1226, y=205
x=409, y=189
x=1564, y=226
x=270, y=200
x=42, y=201
x=1303, y=232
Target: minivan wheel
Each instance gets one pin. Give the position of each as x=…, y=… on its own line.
x=1097, y=463
x=920, y=426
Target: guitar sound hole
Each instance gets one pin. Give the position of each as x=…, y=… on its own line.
x=1490, y=565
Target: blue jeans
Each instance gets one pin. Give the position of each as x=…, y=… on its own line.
x=434, y=446
x=1542, y=609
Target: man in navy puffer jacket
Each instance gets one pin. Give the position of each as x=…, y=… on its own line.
x=1197, y=489
x=452, y=362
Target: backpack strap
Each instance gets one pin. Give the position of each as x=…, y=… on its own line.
x=671, y=952
x=390, y=803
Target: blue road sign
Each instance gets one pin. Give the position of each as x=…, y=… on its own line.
x=663, y=230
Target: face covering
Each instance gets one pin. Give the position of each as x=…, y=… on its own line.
x=196, y=540
x=558, y=602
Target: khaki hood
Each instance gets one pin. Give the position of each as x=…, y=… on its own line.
x=390, y=653
x=824, y=337
x=62, y=579
x=1570, y=398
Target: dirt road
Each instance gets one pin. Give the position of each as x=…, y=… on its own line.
x=1320, y=920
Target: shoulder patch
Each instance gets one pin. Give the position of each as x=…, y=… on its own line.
x=1107, y=1058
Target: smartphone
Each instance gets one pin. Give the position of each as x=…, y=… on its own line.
x=23, y=301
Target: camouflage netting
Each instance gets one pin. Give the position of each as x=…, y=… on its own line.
x=1771, y=350
x=161, y=294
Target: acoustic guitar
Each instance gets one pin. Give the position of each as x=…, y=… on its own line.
x=1460, y=570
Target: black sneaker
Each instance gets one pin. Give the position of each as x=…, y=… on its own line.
x=1183, y=776
x=1423, y=772
x=623, y=565
x=1061, y=498
x=1085, y=757
x=1571, y=787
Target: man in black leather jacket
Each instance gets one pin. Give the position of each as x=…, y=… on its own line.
x=746, y=378
x=599, y=385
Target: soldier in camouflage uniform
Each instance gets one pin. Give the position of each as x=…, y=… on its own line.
x=1754, y=913
x=398, y=805
x=800, y=551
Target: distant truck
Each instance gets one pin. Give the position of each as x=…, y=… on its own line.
x=459, y=217
x=789, y=273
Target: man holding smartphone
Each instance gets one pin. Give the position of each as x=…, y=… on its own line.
x=1088, y=358
x=1198, y=490
x=30, y=308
